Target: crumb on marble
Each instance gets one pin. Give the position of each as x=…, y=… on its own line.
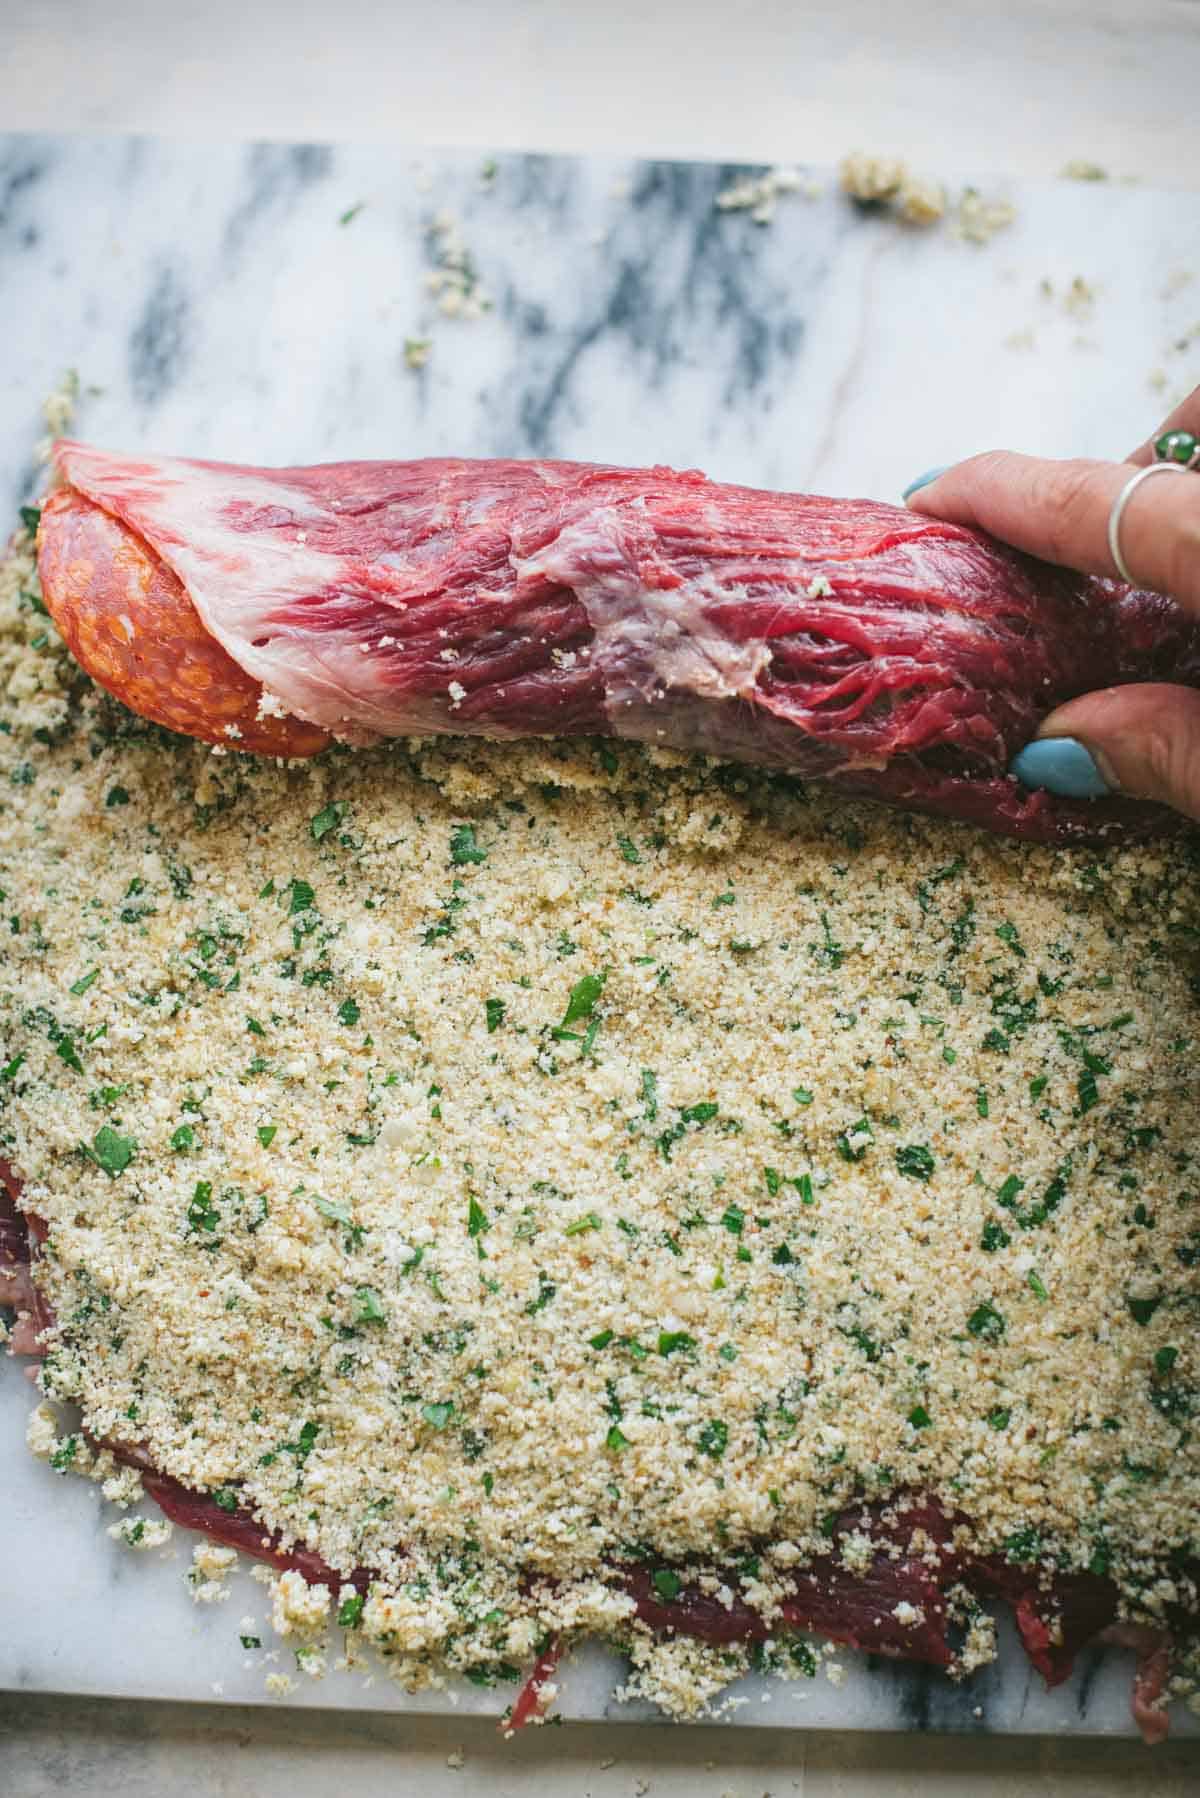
x=141, y=1532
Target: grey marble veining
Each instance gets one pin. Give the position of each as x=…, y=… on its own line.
x=254, y=303
x=216, y=302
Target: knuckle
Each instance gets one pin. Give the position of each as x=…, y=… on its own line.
x=1063, y=494
x=1170, y=755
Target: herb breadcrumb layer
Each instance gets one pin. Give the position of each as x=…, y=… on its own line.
x=490, y=1163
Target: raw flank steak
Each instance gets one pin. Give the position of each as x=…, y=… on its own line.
x=272, y=610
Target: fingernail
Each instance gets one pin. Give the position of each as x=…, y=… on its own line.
x=923, y=480
x=1062, y=765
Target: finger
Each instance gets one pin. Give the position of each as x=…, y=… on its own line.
x=1144, y=741
x=1060, y=510
x=1185, y=417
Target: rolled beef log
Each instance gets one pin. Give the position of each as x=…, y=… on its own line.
x=272, y=610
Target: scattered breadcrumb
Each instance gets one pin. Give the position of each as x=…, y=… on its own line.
x=417, y=351
x=206, y=1576
x=1080, y=298
x=41, y=1431
x=297, y=1607
x=123, y=1487
x=870, y=179
x=920, y=202
x=759, y=194
x=1080, y=170
x=58, y=411
x=454, y=282
x=141, y=1532
x=977, y=218
x=628, y=1150
x=917, y=200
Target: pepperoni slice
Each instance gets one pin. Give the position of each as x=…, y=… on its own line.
x=129, y=623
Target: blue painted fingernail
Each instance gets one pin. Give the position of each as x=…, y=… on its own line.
x=923, y=480
x=1062, y=765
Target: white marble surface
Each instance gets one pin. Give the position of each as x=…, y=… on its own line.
x=214, y=303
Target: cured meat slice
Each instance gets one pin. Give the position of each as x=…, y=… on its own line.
x=128, y=620
x=907, y=658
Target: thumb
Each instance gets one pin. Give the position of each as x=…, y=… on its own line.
x=1145, y=741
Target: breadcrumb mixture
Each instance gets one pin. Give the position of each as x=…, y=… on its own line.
x=489, y=1162
x=886, y=181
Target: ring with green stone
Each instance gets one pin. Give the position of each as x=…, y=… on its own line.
x=1180, y=447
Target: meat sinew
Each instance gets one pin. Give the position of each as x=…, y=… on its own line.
x=269, y=610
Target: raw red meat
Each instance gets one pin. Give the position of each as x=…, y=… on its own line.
x=240, y=1529
x=532, y=1699
x=20, y=1234
x=907, y=658
x=1153, y=1650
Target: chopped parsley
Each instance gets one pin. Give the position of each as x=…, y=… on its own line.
x=203, y=1218
x=915, y=1160
x=714, y=1438
x=368, y=1306
x=853, y=1143
x=987, y=1322
x=465, y=851
x=327, y=819
x=301, y=897
x=111, y=1151
x=582, y=1002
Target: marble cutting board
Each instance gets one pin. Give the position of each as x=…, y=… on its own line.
x=254, y=303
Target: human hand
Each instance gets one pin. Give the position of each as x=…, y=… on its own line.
x=1141, y=740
